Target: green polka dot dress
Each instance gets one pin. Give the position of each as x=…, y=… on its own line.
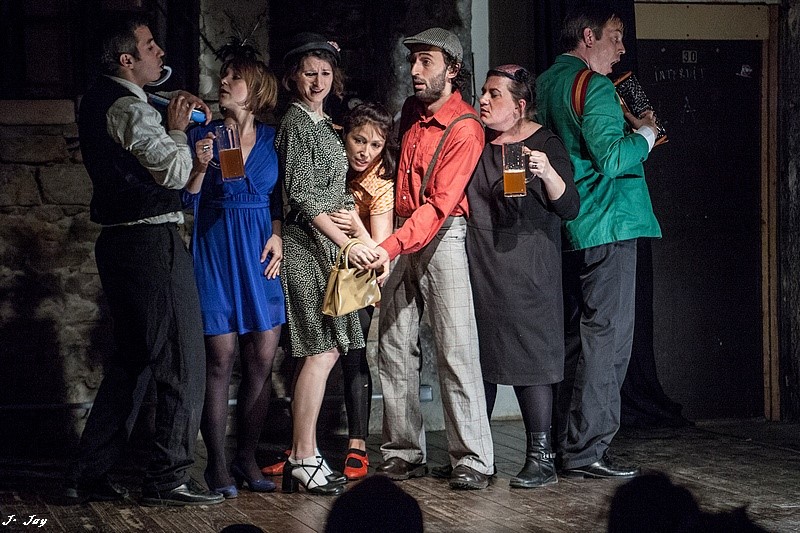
x=313, y=164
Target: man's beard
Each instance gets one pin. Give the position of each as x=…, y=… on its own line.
x=434, y=91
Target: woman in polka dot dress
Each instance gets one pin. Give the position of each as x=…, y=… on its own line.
x=313, y=164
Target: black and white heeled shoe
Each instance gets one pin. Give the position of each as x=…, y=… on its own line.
x=333, y=476
x=313, y=474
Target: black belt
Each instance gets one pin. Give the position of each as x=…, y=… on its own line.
x=448, y=222
x=141, y=225
x=297, y=218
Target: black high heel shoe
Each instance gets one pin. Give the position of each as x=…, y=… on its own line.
x=255, y=485
x=295, y=474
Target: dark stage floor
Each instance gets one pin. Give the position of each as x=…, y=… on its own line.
x=726, y=464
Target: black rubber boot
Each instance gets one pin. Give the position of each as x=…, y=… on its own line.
x=540, y=468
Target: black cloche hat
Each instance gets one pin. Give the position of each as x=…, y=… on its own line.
x=308, y=41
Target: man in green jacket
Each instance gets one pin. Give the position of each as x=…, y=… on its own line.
x=579, y=103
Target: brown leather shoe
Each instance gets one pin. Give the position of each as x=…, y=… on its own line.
x=400, y=469
x=466, y=478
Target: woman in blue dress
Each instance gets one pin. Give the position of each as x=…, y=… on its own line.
x=237, y=250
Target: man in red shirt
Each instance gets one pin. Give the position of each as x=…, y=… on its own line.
x=431, y=271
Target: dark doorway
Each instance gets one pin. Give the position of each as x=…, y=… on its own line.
x=48, y=50
x=705, y=184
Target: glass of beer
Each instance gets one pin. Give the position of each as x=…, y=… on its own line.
x=230, y=151
x=514, y=170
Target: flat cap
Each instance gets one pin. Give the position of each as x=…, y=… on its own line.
x=440, y=38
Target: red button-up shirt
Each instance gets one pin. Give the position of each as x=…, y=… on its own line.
x=445, y=192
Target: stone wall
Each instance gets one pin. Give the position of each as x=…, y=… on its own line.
x=54, y=325
x=54, y=332
x=219, y=21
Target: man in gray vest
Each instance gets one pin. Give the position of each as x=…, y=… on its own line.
x=137, y=169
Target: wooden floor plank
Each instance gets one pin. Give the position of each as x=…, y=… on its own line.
x=482, y=509
x=725, y=466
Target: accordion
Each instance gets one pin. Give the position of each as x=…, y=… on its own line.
x=635, y=100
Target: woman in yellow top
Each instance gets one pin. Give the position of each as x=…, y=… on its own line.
x=370, y=179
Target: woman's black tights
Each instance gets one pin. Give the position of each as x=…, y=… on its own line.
x=535, y=404
x=257, y=350
x=358, y=383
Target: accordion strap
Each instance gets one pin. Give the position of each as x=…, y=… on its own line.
x=579, y=88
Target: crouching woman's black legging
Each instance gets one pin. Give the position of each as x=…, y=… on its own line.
x=358, y=383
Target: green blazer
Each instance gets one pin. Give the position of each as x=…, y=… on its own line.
x=606, y=157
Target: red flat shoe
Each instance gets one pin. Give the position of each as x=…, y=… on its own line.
x=356, y=464
x=277, y=468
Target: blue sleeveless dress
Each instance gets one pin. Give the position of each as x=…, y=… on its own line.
x=233, y=221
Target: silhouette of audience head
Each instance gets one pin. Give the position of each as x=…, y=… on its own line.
x=654, y=504
x=375, y=504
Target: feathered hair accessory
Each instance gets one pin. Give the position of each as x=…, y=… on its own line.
x=236, y=49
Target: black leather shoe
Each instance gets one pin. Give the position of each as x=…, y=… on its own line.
x=603, y=469
x=190, y=493
x=445, y=471
x=400, y=469
x=442, y=472
x=466, y=478
x=96, y=490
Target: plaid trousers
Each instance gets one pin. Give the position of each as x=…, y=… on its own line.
x=436, y=278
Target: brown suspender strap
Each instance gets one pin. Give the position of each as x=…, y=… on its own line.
x=428, y=172
x=579, y=88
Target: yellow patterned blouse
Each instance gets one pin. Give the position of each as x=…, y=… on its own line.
x=373, y=194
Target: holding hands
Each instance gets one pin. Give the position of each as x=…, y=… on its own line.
x=382, y=262
x=361, y=255
x=350, y=223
